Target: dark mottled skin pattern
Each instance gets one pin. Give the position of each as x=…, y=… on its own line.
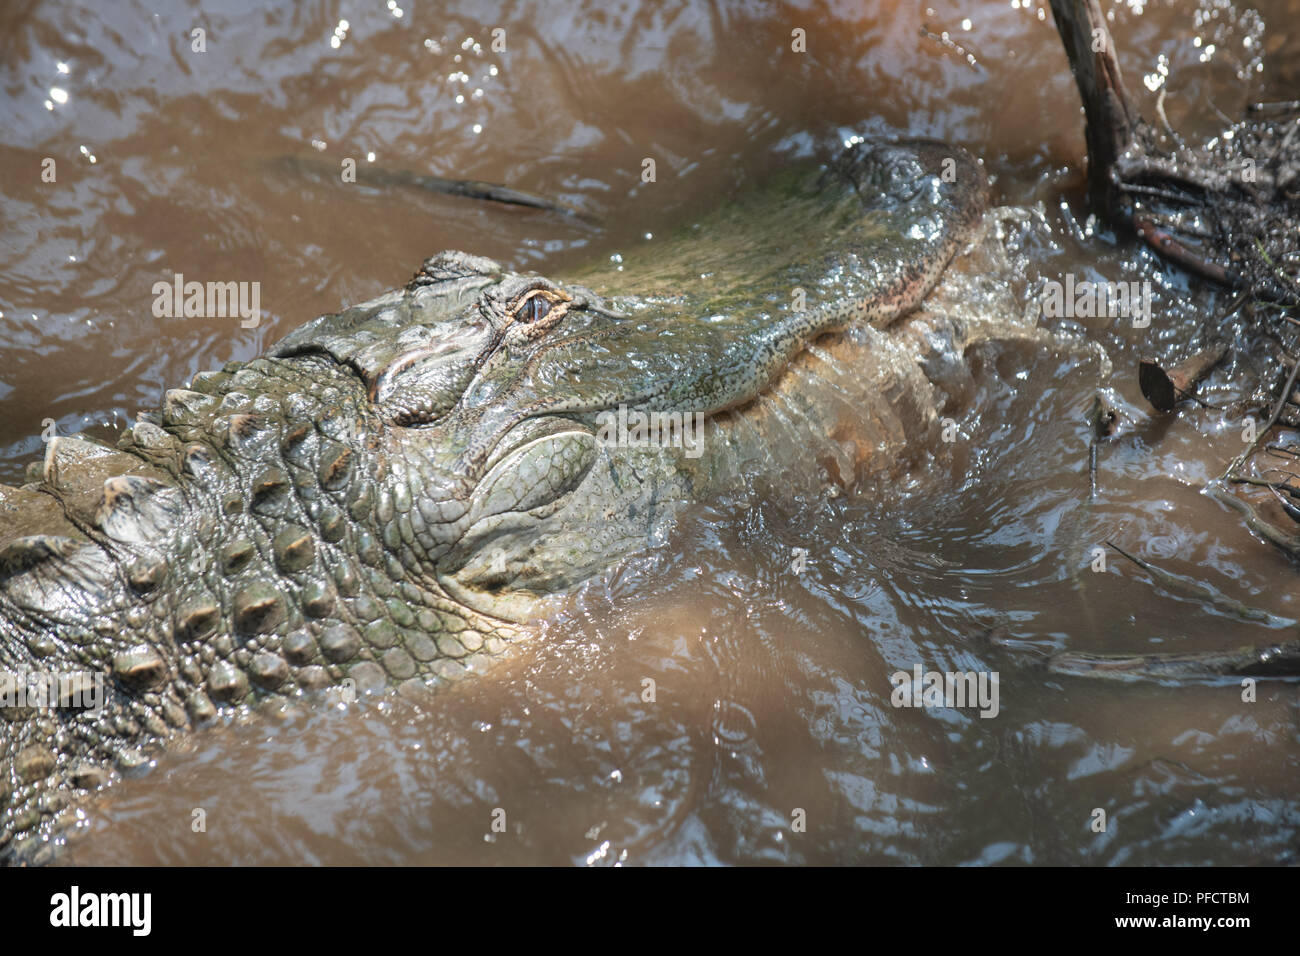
x=384, y=497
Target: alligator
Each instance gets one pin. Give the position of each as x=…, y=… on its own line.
x=394, y=493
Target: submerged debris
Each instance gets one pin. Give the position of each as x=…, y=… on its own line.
x=1203, y=592
x=1278, y=660
x=1272, y=661
x=1229, y=211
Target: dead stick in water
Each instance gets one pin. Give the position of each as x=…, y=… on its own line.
x=1112, y=119
x=1273, y=660
x=1287, y=542
x=1280, y=660
x=1259, y=435
x=1203, y=592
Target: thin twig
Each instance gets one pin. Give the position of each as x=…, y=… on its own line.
x=1203, y=592
x=1277, y=413
x=1272, y=660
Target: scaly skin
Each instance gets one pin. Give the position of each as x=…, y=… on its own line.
x=395, y=490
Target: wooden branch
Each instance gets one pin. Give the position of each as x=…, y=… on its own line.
x=1113, y=121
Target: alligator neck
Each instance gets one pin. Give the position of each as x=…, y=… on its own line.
x=233, y=549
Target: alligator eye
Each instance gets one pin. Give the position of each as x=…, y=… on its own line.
x=535, y=308
x=537, y=305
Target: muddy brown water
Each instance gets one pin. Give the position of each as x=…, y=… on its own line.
x=772, y=688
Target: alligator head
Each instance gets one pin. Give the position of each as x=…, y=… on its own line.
x=394, y=491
